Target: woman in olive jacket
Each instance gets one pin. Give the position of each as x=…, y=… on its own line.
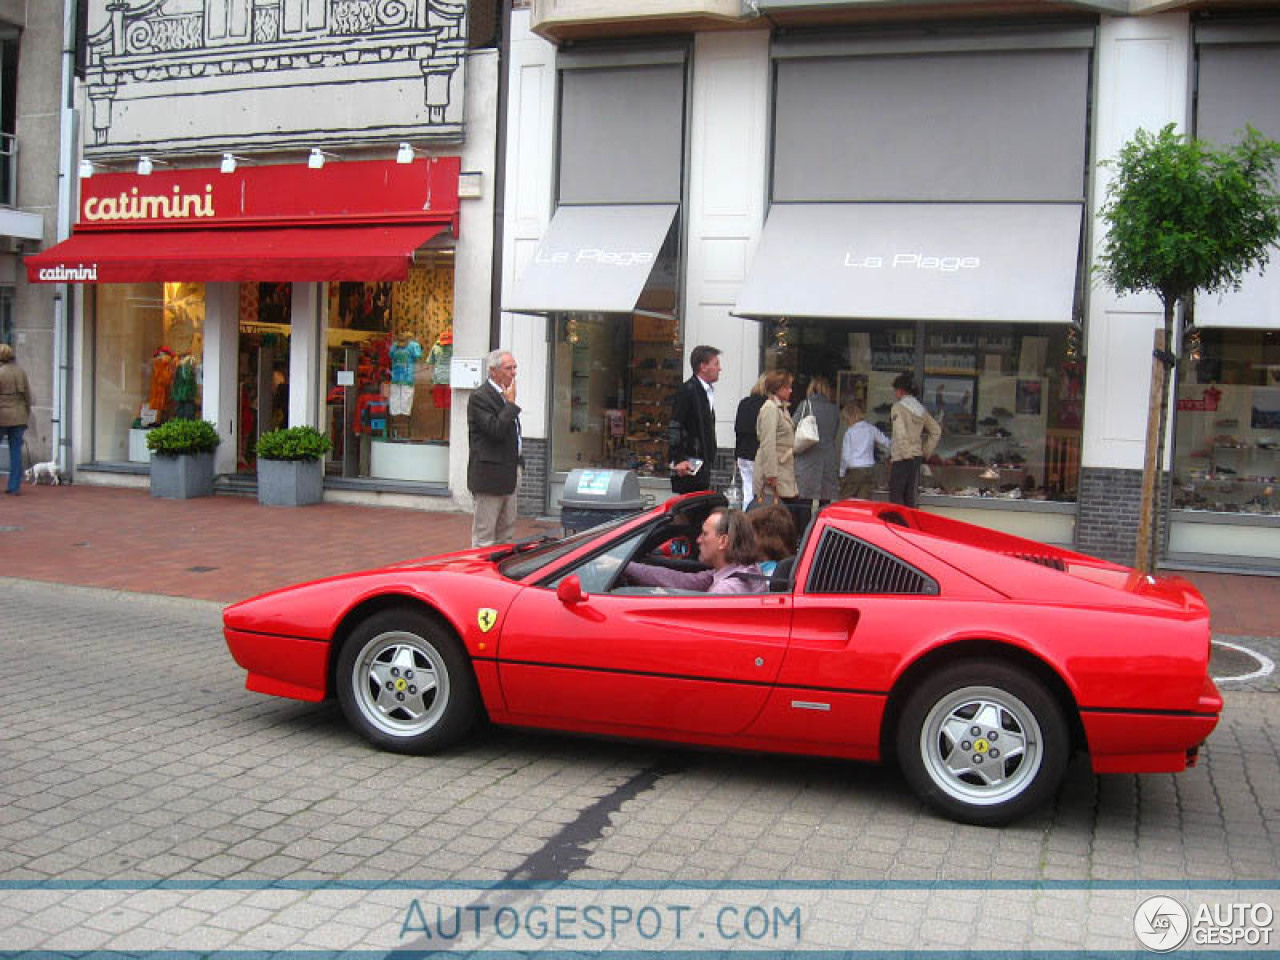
x=15, y=411
x=775, y=473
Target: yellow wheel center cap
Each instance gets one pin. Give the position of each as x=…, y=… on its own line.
x=981, y=746
x=402, y=685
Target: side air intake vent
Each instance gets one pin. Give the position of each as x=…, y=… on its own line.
x=846, y=564
x=1053, y=563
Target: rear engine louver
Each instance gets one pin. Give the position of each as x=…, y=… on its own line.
x=1054, y=563
x=846, y=564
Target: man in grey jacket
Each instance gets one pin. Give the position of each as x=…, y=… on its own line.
x=915, y=436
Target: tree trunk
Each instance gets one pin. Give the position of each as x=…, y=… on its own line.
x=1162, y=502
x=1143, y=558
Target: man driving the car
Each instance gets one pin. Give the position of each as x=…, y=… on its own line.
x=726, y=545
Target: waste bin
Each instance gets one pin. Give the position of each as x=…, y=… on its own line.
x=593, y=497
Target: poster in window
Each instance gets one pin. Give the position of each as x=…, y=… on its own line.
x=952, y=401
x=1027, y=399
x=1265, y=409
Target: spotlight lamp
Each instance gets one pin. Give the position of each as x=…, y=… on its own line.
x=145, y=166
x=317, y=158
x=407, y=152
x=86, y=169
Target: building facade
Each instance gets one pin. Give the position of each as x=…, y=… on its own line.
x=851, y=193
x=282, y=215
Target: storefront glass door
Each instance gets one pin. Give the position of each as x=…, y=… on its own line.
x=262, y=368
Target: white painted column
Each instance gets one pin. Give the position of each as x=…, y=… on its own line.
x=473, y=255
x=306, y=355
x=221, y=354
x=531, y=115
x=1143, y=81
x=728, y=160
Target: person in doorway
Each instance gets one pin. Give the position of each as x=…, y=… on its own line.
x=915, y=436
x=817, y=467
x=726, y=545
x=15, y=410
x=746, y=440
x=691, y=431
x=858, y=454
x=493, y=465
x=279, y=397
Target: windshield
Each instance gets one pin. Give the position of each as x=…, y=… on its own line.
x=521, y=565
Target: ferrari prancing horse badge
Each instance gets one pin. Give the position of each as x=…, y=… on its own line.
x=486, y=617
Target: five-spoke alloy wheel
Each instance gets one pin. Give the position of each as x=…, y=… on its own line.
x=404, y=682
x=983, y=742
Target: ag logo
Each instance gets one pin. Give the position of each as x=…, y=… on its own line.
x=486, y=617
x=1161, y=924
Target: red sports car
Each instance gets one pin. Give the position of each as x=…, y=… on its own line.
x=978, y=660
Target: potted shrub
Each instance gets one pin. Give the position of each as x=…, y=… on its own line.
x=182, y=458
x=291, y=466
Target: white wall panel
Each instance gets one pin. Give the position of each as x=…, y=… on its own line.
x=1143, y=80
x=727, y=177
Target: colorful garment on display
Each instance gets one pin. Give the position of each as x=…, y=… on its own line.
x=163, y=367
x=184, y=389
x=439, y=358
x=404, y=361
x=441, y=397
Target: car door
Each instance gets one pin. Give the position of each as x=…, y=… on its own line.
x=697, y=663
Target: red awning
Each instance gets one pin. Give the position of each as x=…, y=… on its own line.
x=298, y=254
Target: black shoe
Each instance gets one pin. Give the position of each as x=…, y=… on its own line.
x=12, y=493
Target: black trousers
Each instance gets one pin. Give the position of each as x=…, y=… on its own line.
x=904, y=481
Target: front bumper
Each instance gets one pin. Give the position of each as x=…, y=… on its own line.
x=281, y=666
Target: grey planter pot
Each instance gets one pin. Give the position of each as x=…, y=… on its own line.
x=182, y=477
x=290, y=483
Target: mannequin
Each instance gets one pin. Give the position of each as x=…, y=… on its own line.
x=405, y=354
x=440, y=357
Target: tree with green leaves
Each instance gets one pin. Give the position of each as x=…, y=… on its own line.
x=1184, y=216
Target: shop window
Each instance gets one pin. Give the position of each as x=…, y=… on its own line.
x=614, y=378
x=148, y=363
x=1226, y=456
x=1009, y=397
x=388, y=395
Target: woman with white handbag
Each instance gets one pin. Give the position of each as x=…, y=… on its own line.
x=775, y=474
x=818, y=461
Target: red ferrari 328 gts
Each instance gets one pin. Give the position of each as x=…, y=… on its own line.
x=978, y=660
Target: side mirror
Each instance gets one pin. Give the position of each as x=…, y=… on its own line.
x=569, y=590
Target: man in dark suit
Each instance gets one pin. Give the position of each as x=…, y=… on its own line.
x=692, y=430
x=493, y=433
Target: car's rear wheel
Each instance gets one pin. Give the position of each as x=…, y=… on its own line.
x=404, y=682
x=983, y=742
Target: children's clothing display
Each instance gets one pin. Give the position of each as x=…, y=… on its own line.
x=404, y=363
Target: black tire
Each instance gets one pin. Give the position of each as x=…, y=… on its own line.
x=405, y=684
x=994, y=779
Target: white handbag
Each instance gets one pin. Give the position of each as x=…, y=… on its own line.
x=806, y=429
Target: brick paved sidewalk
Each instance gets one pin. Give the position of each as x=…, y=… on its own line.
x=226, y=548
x=222, y=548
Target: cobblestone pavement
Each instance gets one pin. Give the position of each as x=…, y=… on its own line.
x=132, y=753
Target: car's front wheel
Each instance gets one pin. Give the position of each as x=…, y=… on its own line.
x=404, y=682
x=983, y=742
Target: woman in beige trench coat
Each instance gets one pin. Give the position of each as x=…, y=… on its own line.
x=775, y=472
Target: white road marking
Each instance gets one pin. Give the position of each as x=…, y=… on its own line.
x=1266, y=670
